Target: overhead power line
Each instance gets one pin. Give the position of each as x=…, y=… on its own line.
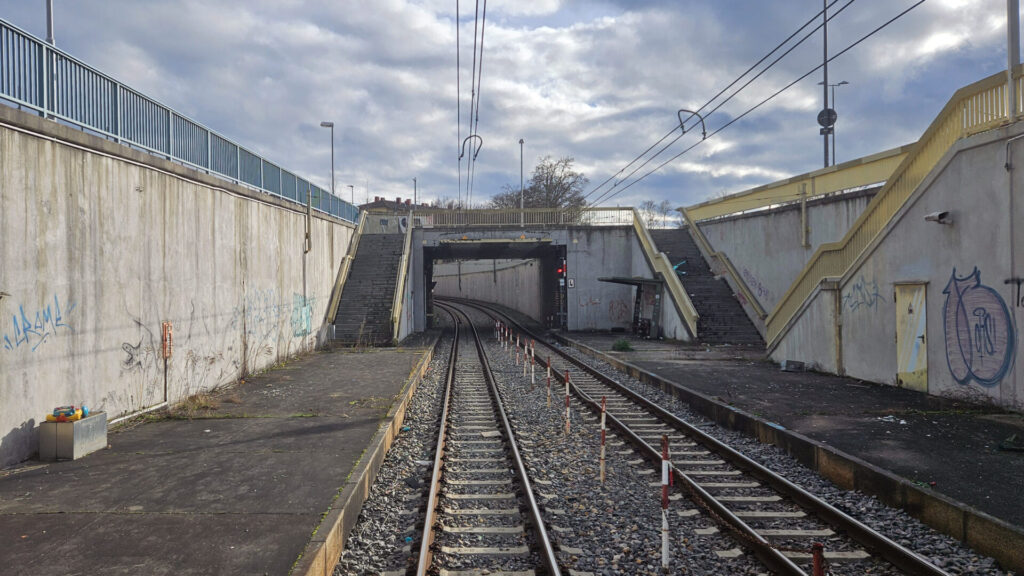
x=771, y=97
x=779, y=46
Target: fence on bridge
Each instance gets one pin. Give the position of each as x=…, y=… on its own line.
x=42, y=78
x=532, y=217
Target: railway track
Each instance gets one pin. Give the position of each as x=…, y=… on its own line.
x=481, y=515
x=788, y=529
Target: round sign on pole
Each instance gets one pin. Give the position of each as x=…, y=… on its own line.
x=827, y=117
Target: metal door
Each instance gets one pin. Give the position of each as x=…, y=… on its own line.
x=911, y=337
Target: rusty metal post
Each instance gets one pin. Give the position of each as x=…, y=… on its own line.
x=818, y=554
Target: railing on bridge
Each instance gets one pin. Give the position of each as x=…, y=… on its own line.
x=55, y=84
x=972, y=109
x=442, y=218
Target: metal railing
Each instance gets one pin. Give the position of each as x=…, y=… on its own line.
x=346, y=268
x=972, y=109
x=846, y=176
x=530, y=217
x=705, y=247
x=662, y=265
x=403, y=275
x=42, y=78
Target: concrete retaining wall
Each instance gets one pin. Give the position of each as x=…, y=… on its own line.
x=765, y=247
x=516, y=285
x=971, y=270
x=100, y=245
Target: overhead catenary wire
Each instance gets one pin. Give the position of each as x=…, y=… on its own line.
x=810, y=21
x=769, y=98
x=733, y=95
x=458, y=97
x=476, y=75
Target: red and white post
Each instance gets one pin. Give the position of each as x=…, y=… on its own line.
x=533, y=371
x=665, y=469
x=603, y=407
x=549, y=381
x=567, y=401
x=526, y=355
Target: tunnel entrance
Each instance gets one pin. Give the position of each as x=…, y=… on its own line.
x=482, y=268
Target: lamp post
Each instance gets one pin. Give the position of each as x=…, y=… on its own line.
x=414, y=192
x=522, y=203
x=352, y=189
x=49, y=23
x=832, y=128
x=331, y=126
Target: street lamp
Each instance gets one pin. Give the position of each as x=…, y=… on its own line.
x=522, y=213
x=832, y=128
x=331, y=126
x=414, y=192
x=352, y=189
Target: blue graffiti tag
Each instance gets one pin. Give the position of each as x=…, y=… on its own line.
x=32, y=329
x=302, y=315
x=862, y=294
x=980, y=335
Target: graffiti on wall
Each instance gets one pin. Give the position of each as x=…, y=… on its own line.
x=302, y=315
x=619, y=311
x=1018, y=299
x=755, y=285
x=979, y=331
x=34, y=327
x=863, y=294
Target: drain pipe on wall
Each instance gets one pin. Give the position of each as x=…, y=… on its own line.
x=1013, y=257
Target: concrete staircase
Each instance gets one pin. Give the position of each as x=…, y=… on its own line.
x=722, y=319
x=364, y=314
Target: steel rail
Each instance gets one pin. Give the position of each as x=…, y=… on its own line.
x=543, y=541
x=426, y=554
x=885, y=548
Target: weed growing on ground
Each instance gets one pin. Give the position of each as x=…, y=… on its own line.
x=622, y=345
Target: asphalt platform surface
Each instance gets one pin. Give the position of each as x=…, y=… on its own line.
x=235, y=484
x=948, y=446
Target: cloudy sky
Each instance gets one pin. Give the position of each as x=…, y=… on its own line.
x=599, y=80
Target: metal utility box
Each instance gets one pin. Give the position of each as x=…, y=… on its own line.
x=72, y=440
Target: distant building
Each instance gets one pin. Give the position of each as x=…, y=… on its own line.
x=381, y=204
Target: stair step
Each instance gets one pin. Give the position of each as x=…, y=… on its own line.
x=722, y=318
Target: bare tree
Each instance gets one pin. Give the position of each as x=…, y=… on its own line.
x=649, y=212
x=552, y=184
x=446, y=203
x=665, y=208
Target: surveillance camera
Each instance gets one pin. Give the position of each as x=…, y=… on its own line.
x=943, y=217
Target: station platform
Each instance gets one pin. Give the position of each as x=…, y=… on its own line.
x=250, y=480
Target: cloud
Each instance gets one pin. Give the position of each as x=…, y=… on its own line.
x=599, y=80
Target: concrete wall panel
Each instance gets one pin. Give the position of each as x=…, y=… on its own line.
x=972, y=268
x=766, y=247
x=515, y=285
x=100, y=244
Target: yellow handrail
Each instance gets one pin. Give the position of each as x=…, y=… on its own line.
x=661, y=264
x=508, y=217
x=346, y=267
x=403, y=273
x=853, y=174
x=975, y=108
x=722, y=257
